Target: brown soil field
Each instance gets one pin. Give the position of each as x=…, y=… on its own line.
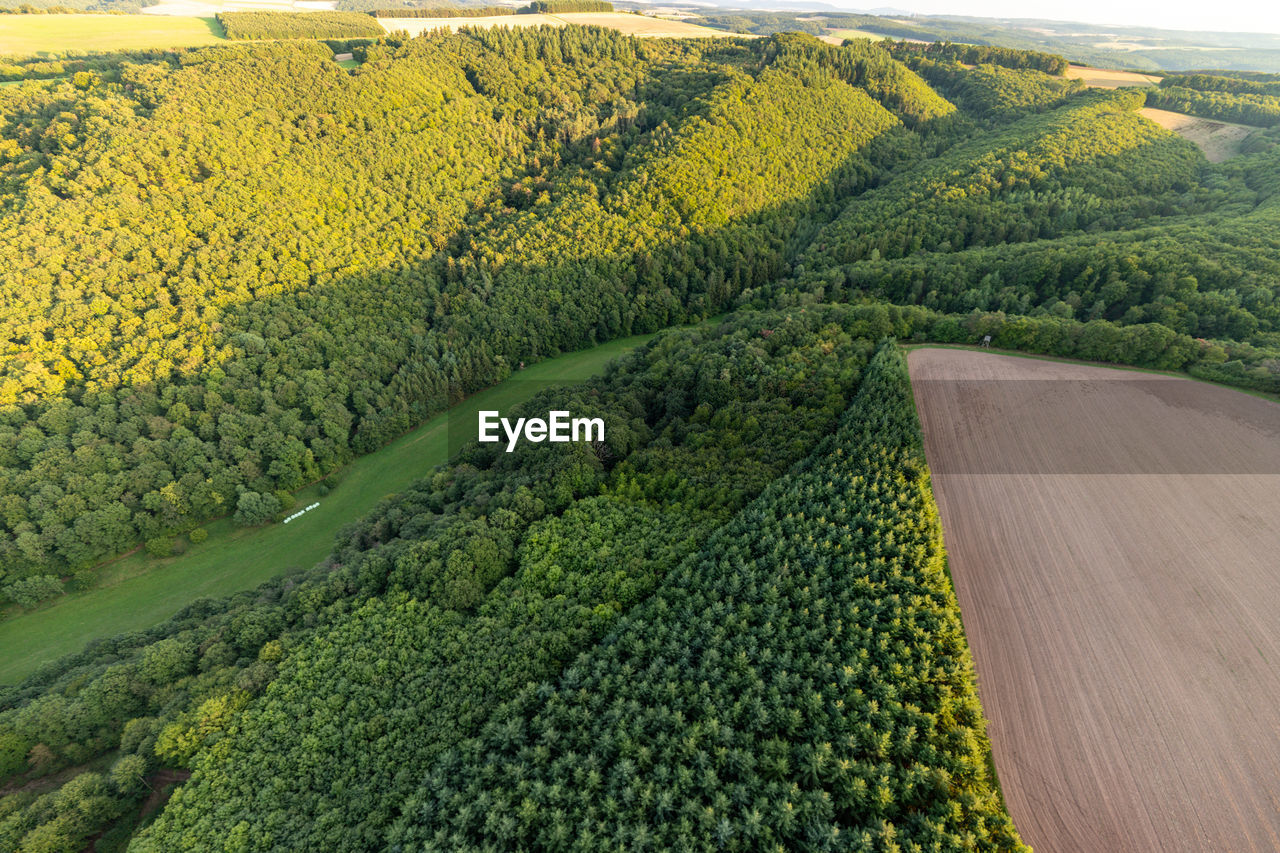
x=1102, y=78
x=636, y=25
x=1114, y=540
x=1219, y=140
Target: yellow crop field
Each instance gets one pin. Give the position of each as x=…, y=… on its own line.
x=1103, y=78
x=29, y=35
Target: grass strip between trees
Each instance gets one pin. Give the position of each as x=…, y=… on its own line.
x=141, y=590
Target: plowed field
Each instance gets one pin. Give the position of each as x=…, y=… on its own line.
x=1114, y=538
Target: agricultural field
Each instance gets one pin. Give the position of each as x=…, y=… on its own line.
x=1104, y=78
x=1112, y=539
x=641, y=25
x=29, y=35
x=1219, y=140
x=843, y=34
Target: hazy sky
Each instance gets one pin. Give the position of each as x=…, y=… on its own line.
x=1225, y=15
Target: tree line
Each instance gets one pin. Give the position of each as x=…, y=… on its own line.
x=980, y=54
x=557, y=6
x=1241, y=84
x=1241, y=108
x=296, y=25
x=992, y=93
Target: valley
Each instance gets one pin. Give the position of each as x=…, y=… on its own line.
x=138, y=591
x=860, y=521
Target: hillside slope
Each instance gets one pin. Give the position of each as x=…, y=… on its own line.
x=202, y=316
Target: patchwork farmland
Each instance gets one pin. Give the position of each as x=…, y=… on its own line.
x=1113, y=539
x=28, y=35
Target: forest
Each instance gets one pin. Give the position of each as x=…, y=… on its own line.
x=270, y=364
x=1222, y=98
x=992, y=93
x=537, y=552
x=226, y=272
x=1240, y=84
x=979, y=54
x=748, y=704
x=288, y=25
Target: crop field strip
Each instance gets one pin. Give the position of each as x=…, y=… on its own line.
x=1112, y=539
x=27, y=35
x=1105, y=78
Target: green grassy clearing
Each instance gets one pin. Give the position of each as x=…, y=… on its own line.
x=138, y=591
x=349, y=63
x=31, y=35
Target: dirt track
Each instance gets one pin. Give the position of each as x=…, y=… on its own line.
x=1114, y=538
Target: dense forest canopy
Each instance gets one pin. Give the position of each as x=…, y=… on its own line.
x=508, y=546
x=980, y=54
x=573, y=573
x=1094, y=164
x=801, y=684
x=460, y=204
x=1251, y=84
x=994, y=93
x=226, y=272
x=289, y=25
